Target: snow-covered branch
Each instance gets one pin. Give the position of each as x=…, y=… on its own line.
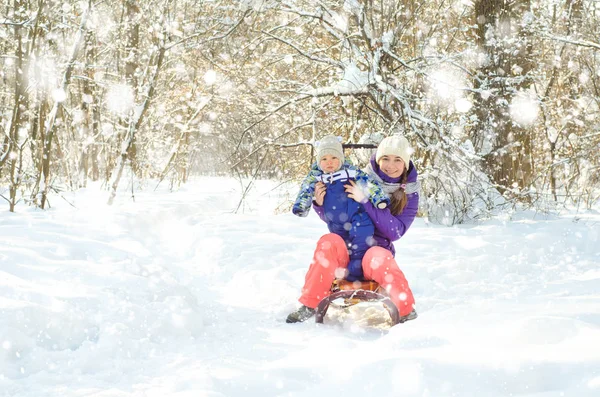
x=579, y=43
x=300, y=51
x=212, y=38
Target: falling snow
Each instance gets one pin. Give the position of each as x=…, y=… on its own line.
x=59, y=95
x=210, y=77
x=120, y=99
x=175, y=295
x=524, y=110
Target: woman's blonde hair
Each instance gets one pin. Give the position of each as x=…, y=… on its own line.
x=398, y=198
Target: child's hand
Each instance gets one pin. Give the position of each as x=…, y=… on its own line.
x=320, y=190
x=356, y=193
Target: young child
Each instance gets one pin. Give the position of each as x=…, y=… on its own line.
x=331, y=145
x=344, y=216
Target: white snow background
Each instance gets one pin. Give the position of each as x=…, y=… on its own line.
x=176, y=295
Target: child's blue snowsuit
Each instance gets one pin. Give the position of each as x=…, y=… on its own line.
x=344, y=216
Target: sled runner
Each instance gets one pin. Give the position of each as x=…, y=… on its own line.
x=355, y=292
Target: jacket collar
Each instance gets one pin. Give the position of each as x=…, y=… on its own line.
x=343, y=174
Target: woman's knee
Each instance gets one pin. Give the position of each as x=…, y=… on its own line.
x=376, y=258
x=378, y=253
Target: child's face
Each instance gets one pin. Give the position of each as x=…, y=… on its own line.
x=329, y=164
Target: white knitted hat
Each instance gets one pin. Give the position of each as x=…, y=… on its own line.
x=331, y=145
x=395, y=145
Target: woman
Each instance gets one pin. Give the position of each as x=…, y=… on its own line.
x=391, y=166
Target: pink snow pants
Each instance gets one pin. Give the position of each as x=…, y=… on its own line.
x=330, y=262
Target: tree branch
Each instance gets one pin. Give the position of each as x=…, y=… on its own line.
x=580, y=43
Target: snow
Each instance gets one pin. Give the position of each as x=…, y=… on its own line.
x=174, y=294
x=463, y=105
x=59, y=95
x=524, y=109
x=447, y=86
x=353, y=79
x=210, y=77
x=120, y=99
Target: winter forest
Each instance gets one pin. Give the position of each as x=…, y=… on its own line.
x=500, y=99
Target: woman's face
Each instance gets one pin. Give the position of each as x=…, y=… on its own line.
x=392, y=166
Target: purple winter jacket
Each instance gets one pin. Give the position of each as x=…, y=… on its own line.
x=388, y=228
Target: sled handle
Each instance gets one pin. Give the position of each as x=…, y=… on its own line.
x=362, y=295
x=359, y=146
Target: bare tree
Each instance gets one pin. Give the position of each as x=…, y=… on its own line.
x=506, y=143
x=56, y=108
x=214, y=86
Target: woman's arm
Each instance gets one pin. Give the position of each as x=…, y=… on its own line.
x=320, y=211
x=390, y=226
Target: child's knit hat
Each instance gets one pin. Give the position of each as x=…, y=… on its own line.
x=331, y=145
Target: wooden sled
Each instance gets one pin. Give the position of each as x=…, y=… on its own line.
x=353, y=292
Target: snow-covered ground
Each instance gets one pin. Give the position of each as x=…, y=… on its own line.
x=175, y=295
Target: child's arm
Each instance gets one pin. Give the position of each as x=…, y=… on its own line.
x=305, y=195
x=373, y=190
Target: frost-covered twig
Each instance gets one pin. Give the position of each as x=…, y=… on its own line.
x=300, y=51
x=254, y=176
x=270, y=142
x=175, y=150
x=213, y=38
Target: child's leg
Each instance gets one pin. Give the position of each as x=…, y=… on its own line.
x=361, y=239
x=331, y=254
x=379, y=265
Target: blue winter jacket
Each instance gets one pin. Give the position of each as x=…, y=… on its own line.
x=348, y=219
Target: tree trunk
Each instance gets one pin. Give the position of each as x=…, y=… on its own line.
x=509, y=162
x=135, y=123
x=54, y=113
x=19, y=117
x=88, y=106
x=132, y=26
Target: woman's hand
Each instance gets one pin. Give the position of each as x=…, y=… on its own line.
x=356, y=193
x=320, y=190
